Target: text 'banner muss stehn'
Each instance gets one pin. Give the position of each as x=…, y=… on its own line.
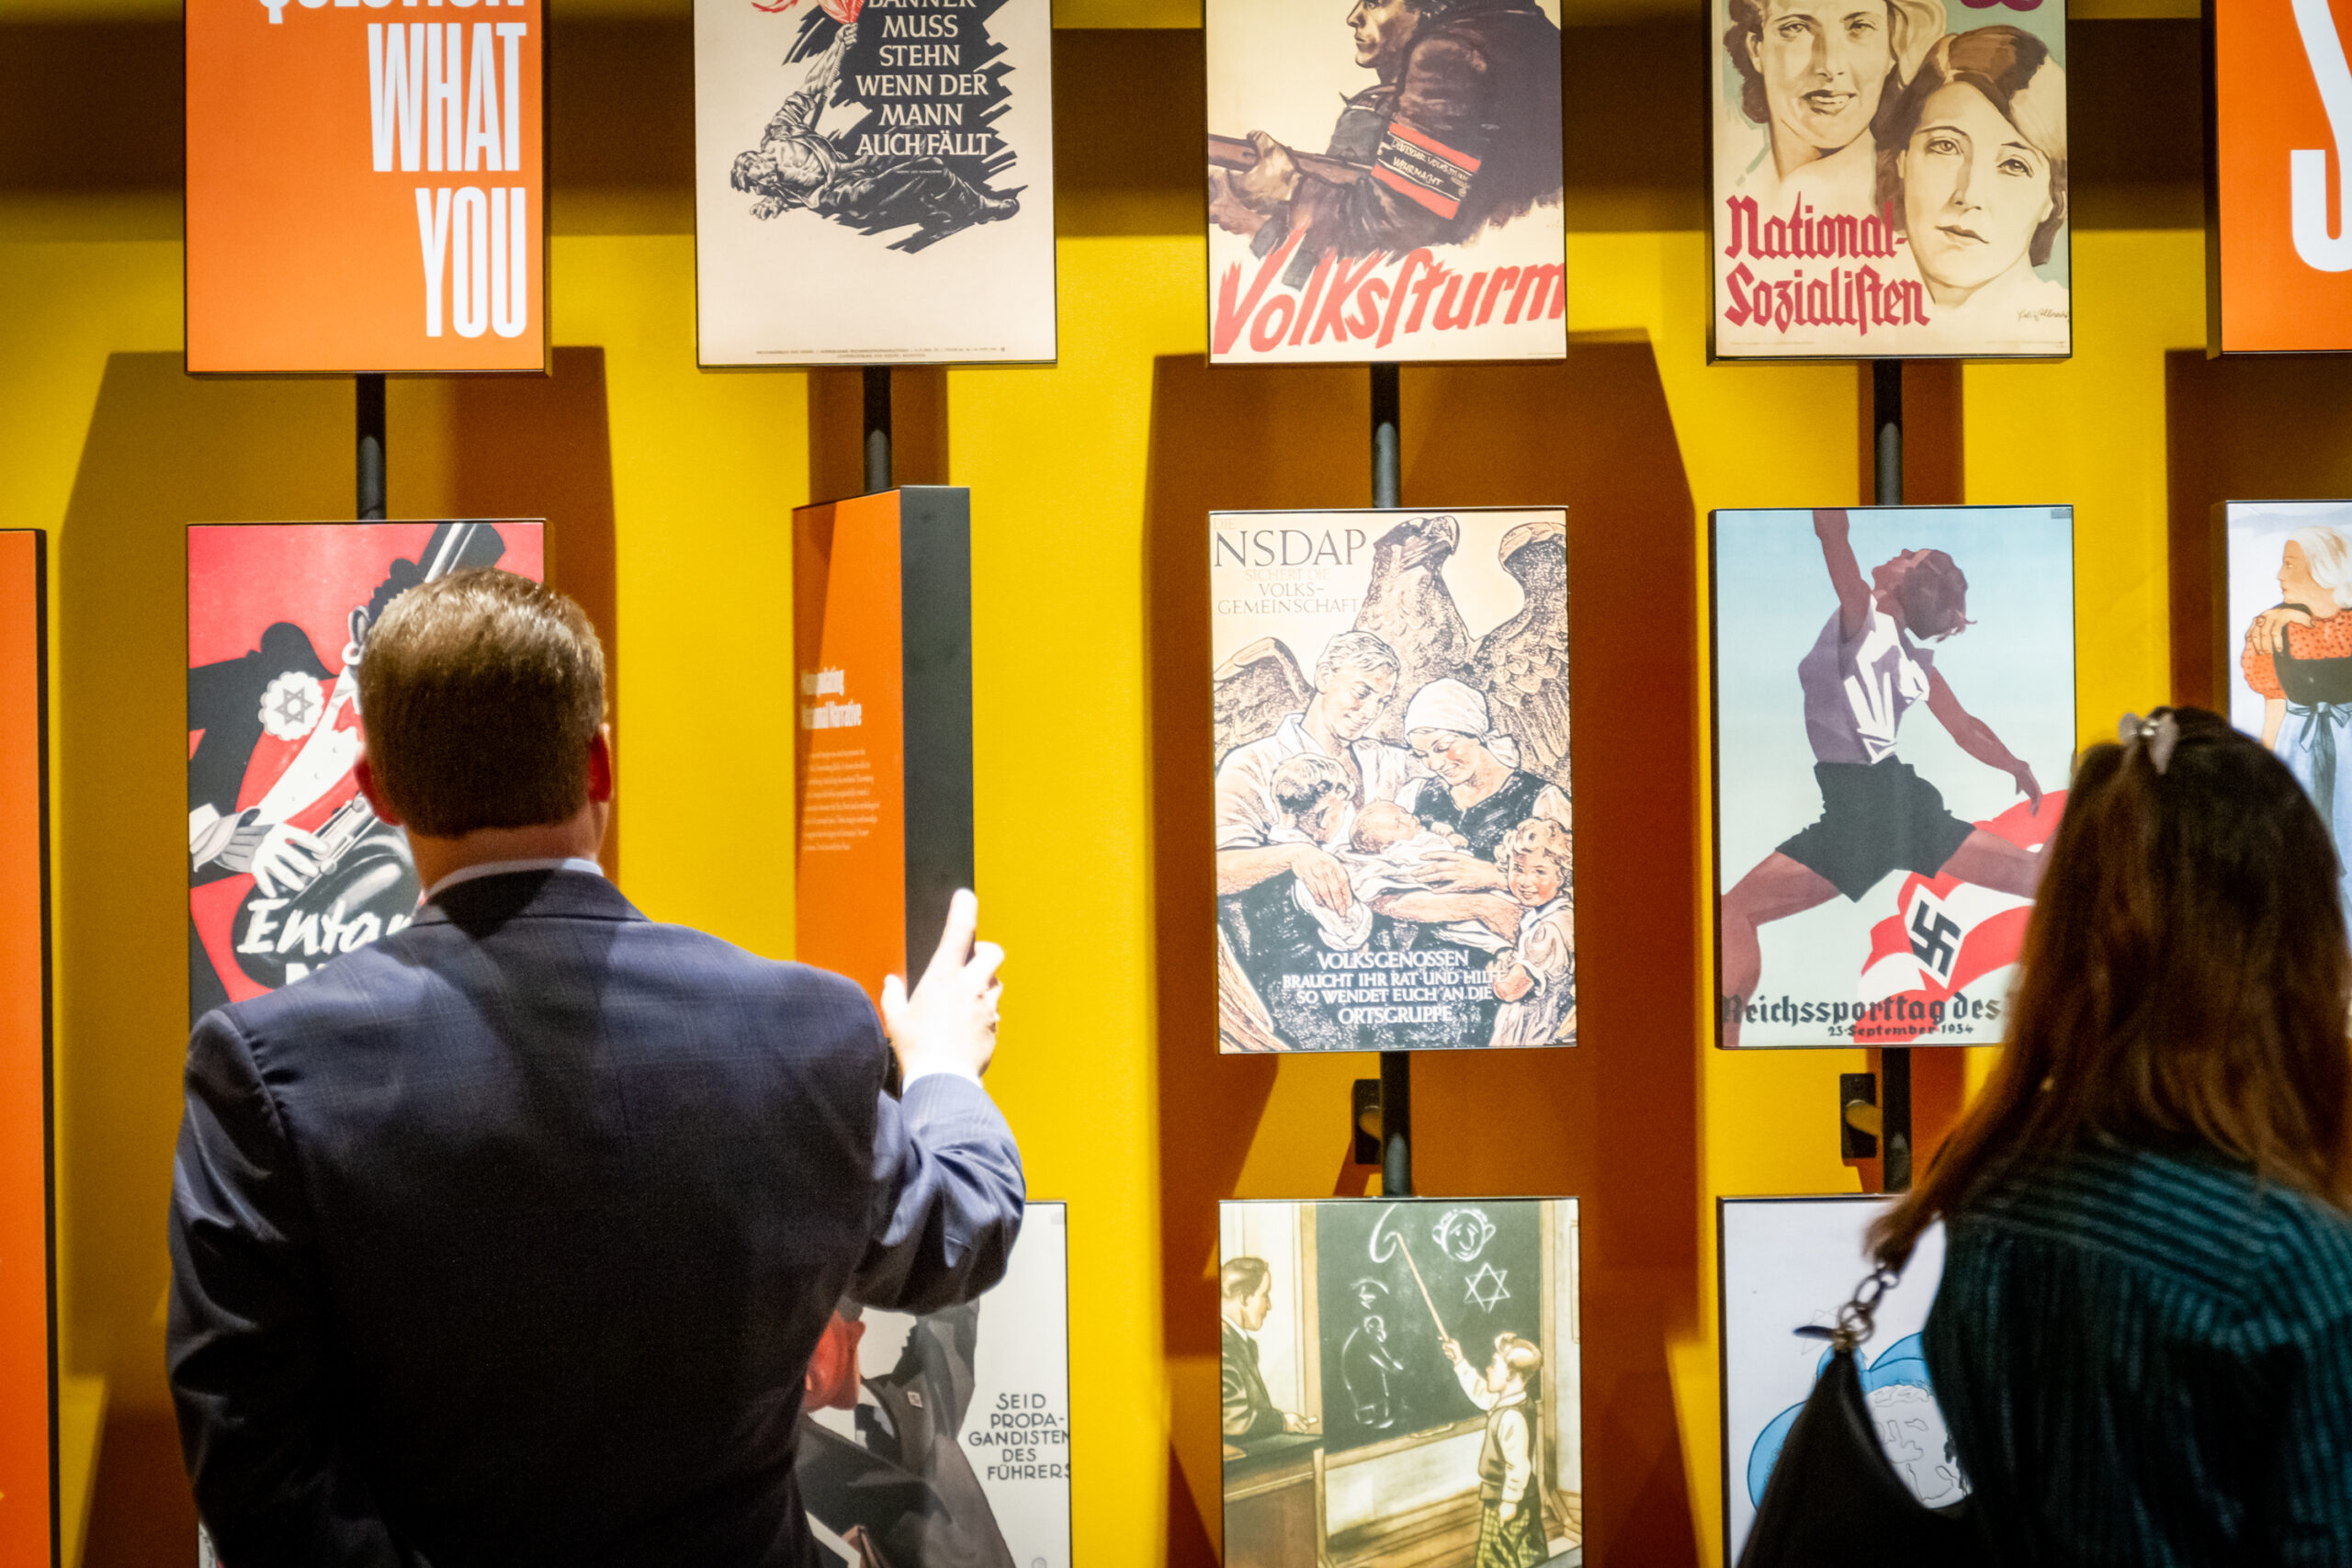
x=1383, y=183
x=1889, y=180
x=874, y=181
x=366, y=186
x=2279, y=255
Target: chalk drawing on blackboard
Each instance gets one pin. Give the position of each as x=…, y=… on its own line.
x=1464, y=1233
x=1366, y=1364
x=1486, y=1286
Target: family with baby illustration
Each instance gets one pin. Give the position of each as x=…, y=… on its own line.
x=1395, y=858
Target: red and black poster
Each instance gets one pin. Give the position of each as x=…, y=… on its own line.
x=287, y=864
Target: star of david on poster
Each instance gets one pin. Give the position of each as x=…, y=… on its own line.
x=1486, y=1287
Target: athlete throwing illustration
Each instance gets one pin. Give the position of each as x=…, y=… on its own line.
x=1864, y=672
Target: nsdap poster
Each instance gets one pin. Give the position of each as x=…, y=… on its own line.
x=287, y=864
x=1395, y=859
x=1384, y=182
x=2290, y=647
x=2279, y=255
x=1889, y=179
x=1790, y=1263
x=874, y=181
x=366, y=186
x=942, y=1441
x=1402, y=1381
x=1893, y=730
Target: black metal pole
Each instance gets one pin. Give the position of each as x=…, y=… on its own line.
x=1886, y=487
x=369, y=391
x=877, y=428
x=1396, y=1067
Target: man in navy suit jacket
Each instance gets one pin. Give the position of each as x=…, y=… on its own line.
x=506, y=1240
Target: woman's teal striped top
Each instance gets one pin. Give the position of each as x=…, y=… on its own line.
x=2146, y=1359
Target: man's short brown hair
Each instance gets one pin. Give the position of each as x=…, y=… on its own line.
x=479, y=693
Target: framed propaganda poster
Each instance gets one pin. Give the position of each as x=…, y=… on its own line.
x=874, y=181
x=1889, y=179
x=287, y=866
x=1893, y=727
x=942, y=1441
x=2279, y=236
x=365, y=186
x=1383, y=183
x=1402, y=1381
x=29, y=1480
x=1788, y=1264
x=1395, y=859
x=2289, y=647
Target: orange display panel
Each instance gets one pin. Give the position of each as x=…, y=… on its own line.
x=882, y=752
x=366, y=186
x=28, y=1336
x=2280, y=249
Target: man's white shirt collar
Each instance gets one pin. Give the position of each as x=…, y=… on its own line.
x=503, y=867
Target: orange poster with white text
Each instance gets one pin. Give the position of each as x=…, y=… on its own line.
x=27, y=1403
x=366, y=186
x=2279, y=255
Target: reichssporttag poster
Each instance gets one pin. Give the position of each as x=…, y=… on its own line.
x=1395, y=860
x=1889, y=179
x=1383, y=183
x=874, y=181
x=1894, y=727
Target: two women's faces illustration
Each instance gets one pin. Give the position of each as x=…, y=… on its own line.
x=1825, y=64
x=1973, y=189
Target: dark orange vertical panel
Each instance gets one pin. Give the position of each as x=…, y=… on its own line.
x=849, y=747
x=28, y=1401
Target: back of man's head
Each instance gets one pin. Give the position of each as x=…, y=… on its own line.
x=481, y=693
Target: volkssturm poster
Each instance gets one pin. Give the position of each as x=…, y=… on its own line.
x=942, y=1441
x=1790, y=1263
x=1383, y=183
x=365, y=186
x=287, y=864
x=1396, y=864
x=2290, y=647
x=1893, y=726
x=1402, y=1381
x=2278, y=252
x=874, y=181
x=1890, y=179
x=27, y=1290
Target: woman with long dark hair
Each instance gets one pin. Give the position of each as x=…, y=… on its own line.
x=2142, y=1340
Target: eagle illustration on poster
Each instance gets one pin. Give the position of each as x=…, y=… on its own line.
x=1888, y=179
x=1384, y=182
x=287, y=866
x=874, y=181
x=943, y=1441
x=1395, y=860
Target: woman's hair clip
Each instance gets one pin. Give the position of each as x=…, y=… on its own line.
x=2159, y=735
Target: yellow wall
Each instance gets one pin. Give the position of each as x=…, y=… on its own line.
x=705, y=469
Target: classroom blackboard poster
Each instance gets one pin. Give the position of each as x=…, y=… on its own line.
x=1379, y=1357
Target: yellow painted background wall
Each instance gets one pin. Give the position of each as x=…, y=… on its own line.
x=705, y=469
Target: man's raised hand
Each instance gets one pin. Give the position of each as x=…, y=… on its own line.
x=948, y=1025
